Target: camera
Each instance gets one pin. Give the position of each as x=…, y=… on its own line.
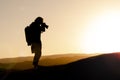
x=44, y=25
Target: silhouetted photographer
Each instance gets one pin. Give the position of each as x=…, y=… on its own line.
x=33, y=38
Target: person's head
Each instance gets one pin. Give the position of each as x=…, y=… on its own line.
x=39, y=20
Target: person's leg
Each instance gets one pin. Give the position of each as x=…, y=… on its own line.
x=36, y=48
x=36, y=58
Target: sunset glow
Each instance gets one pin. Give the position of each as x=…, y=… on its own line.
x=75, y=26
x=103, y=34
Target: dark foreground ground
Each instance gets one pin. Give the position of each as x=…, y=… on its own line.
x=101, y=67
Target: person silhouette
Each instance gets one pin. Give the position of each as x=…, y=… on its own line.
x=33, y=38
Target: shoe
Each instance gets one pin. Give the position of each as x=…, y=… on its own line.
x=35, y=67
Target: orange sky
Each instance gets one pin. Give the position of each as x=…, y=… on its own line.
x=75, y=26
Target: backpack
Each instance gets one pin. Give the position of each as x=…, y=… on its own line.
x=28, y=35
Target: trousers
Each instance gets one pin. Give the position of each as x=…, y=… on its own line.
x=36, y=48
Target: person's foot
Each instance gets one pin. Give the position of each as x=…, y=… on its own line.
x=35, y=67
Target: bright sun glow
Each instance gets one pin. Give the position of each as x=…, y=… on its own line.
x=103, y=34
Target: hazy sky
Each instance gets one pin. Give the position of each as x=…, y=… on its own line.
x=75, y=26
